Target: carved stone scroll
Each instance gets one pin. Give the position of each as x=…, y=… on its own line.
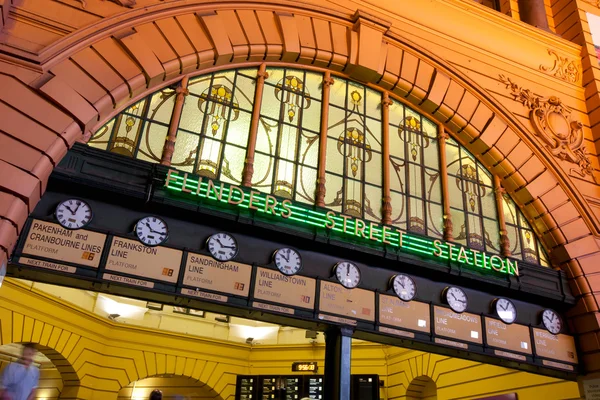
x=553, y=124
x=563, y=68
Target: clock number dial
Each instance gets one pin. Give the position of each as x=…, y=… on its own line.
x=73, y=214
x=506, y=310
x=222, y=246
x=552, y=321
x=347, y=274
x=404, y=287
x=456, y=299
x=152, y=231
x=288, y=261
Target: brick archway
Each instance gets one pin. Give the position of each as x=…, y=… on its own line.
x=95, y=73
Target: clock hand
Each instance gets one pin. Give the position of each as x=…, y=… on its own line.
x=286, y=259
x=69, y=208
x=152, y=230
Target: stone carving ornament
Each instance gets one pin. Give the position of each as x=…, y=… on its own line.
x=552, y=122
x=563, y=68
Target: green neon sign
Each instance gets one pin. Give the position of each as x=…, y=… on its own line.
x=356, y=228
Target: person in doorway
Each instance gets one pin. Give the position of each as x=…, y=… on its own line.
x=156, y=395
x=19, y=380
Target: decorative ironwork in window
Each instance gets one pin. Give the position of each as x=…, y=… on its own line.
x=214, y=126
x=472, y=201
x=287, y=145
x=354, y=160
x=218, y=124
x=523, y=242
x=140, y=130
x=415, y=186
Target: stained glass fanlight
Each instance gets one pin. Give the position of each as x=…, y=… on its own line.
x=214, y=130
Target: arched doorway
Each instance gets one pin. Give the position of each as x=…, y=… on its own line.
x=421, y=388
x=56, y=373
x=173, y=387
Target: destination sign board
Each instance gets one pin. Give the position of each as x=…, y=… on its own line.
x=411, y=315
x=295, y=291
x=557, y=347
x=49, y=240
x=463, y=326
x=124, y=261
x=131, y=257
x=352, y=303
x=511, y=337
x=226, y=277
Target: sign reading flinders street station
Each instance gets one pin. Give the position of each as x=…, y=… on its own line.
x=355, y=228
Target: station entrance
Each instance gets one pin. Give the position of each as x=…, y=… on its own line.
x=280, y=196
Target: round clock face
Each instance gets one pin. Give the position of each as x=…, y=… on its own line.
x=222, y=246
x=151, y=231
x=506, y=310
x=404, y=287
x=288, y=261
x=552, y=321
x=73, y=214
x=347, y=274
x=456, y=299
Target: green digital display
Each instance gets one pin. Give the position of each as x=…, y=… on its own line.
x=347, y=226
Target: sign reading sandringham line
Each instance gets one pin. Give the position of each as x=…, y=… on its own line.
x=356, y=228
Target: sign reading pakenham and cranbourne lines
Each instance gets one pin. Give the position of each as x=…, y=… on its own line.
x=286, y=210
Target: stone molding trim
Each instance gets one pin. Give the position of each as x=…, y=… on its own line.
x=595, y=3
x=122, y=3
x=563, y=68
x=94, y=79
x=552, y=121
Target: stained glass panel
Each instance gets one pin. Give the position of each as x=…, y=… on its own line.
x=356, y=138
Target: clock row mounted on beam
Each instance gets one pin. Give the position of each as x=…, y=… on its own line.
x=153, y=231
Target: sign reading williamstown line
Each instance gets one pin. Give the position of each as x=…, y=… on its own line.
x=355, y=228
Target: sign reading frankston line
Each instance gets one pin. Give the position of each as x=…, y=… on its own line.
x=294, y=291
x=225, y=277
x=49, y=240
x=132, y=257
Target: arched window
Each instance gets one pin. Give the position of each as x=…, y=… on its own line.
x=285, y=141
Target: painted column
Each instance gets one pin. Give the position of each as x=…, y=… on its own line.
x=442, y=137
x=180, y=94
x=534, y=13
x=387, y=199
x=338, y=349
x=258, y=94
x=320, y=195
x=504, y=241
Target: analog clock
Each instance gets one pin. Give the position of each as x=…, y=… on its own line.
x=552, y=321
x=73, y=213
x=404, y=287
x=288, y=261
x=151, y=231
x=347, y=274
x=456, y=299
x=506, y=310
x=222, y=246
